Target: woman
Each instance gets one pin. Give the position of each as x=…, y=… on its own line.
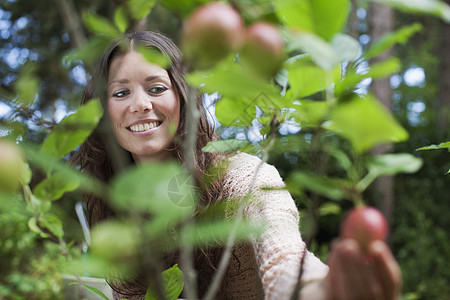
x=145, y=104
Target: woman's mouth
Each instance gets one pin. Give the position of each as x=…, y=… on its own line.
x=144, y=126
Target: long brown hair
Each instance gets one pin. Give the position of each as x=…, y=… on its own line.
x=97, y=156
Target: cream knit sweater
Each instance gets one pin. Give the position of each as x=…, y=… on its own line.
x=268, y=267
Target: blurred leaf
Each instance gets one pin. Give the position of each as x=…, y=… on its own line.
x=53, y=187
x=217, y=232
x=26, y=174
x=346, y=47
x=391, y=164
x=53, y=224
x=50, y=163
x=27, y=84
x=73, y=129
x=329, y=187
x=121, y=18
x=88, y=52
x=95, y=291
x=366, y=123
x=139, y=9
x=154, y=56
x=173, y=283
x=322, y=17
x=163, y=189
x=431, y=7
x=400, y=36
x=329, y=208
x=310, y=113
x=306, y=78
x=322, y=52
x=99, y=25
x=224, y=145
x=33, y=226
x=116, y=242
x=235, y=112
x=434, y=147
x=229, y=79
x=376, y=71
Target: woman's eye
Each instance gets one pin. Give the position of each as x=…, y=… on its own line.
x=157, y=89
x=120, y=94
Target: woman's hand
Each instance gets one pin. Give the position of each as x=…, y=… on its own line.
x=357, y=275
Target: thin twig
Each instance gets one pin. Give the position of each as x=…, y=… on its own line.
x=187, y=251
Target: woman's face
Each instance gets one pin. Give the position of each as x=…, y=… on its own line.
x=143, y=105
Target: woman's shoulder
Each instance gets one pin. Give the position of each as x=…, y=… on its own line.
x=244, y=169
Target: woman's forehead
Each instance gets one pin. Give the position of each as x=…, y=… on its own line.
x=133, y=62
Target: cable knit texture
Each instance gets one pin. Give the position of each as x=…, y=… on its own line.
x=268, y=267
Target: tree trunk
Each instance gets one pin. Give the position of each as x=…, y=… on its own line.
x=380, y=22
x=443, y=100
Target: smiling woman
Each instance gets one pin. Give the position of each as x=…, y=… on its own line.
x=143, y=106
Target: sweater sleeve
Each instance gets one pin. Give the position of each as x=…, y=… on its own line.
x=280, y=248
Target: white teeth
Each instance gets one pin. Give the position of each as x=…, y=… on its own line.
x=143, y=127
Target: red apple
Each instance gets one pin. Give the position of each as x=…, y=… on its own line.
x=263, y=49
x=364, y=224
x=210, y=33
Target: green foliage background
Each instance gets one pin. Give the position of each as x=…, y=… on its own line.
x=38, y=46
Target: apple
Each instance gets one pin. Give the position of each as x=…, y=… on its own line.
x=211, y=33
x=263, y=49
x=364, y=224
x=11, y=166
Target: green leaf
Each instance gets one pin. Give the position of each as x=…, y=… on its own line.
x=346, y=47
x=366, y=123
x=173, y=283
x=322, y=17
x=217, y=232
x=49, y=164
x=32, y=225
x=224, y=145
x=430, y=7
x=434, y=147
x=53, y=224
x=95, y=291
x=27, y=84
x=391, y=164
x=89, y=52
x=329, y=208
x=311, y=113
x=53, y=187
x=115, y=241
x=322, y=52
x=229, y=79
x=154, y=56
x=99, y=25
x=306, y=78
x=163, y=189
x=121, y=18
x=235, y=112
x=400, y=36
x=73, y=129
x=139, y=9
x=329, y=187
x=379, y=70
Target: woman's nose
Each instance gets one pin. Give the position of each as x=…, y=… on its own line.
x=141, y=102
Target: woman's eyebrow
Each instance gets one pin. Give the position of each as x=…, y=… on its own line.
x=153, y=77
x=121, y=81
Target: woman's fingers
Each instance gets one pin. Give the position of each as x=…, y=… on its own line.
x=386, y=268
x=350, y=276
